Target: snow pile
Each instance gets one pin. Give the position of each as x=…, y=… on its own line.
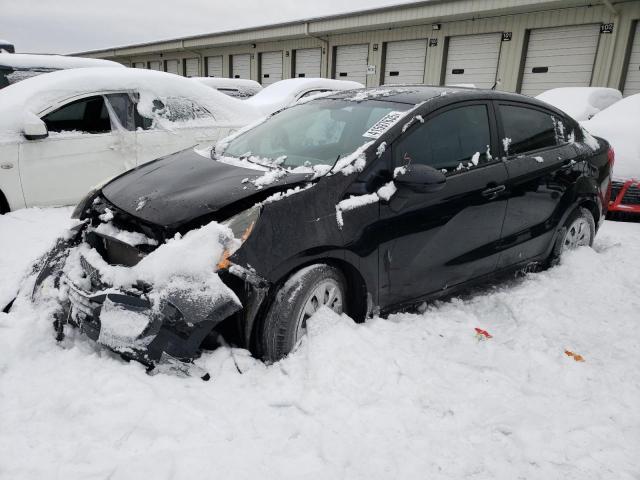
x=620, y=125
x=33, y=95
x=285, y=92
x=373, y=93
x=192, y=257
x=413, y=396
x=581, y=103
x=25, y=235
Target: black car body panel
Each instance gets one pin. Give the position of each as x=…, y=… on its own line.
x=498, y=215
x=179, y=188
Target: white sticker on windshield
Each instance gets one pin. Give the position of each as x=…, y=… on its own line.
x=383, y=124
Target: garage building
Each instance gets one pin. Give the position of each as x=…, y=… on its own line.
x=527, y=46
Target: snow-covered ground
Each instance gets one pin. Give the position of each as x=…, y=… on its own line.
x=412, y=396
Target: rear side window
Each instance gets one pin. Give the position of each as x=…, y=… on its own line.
x=526, y=129
x=88, y=115
x=457, y=139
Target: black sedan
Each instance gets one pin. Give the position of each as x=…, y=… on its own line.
x=364, y=202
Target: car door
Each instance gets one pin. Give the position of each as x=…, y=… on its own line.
x=177, y=123
x=541, y=167
x=432, y=241
x=85, y=146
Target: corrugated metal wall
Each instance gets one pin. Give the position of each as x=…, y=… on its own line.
x=515, y=17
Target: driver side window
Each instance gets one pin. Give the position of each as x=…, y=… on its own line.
x=457, y=139
x=87, y=115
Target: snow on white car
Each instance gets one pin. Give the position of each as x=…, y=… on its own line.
x=63, y=132
x=287, y=92
x=234, y=87
x=620, y=125
x=581, y=103
x=19, y=66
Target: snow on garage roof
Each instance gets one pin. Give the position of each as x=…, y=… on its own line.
x=35, y=94
x=26, y=60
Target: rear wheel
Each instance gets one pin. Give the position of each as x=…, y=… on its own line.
x=295, y=302
x=579, y=231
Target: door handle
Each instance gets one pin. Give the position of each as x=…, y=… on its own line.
x=493, y=192
x=6, y=166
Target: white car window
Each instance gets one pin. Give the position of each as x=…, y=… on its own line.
x=87, y=115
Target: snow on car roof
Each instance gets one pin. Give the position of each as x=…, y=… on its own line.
x=619, y=125
x=33, y=95
x=26, y=60
x=285, y=92
x=219, y=82
x=581, y=103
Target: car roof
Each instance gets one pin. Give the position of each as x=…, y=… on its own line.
x=415, y=94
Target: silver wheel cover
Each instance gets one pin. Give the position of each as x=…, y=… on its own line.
x=578, y=235
x=326, y=293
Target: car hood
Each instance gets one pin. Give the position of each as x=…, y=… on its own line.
x=184, y=186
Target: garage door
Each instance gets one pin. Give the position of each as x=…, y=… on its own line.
x=241, y=66
x=138, y=65
x=214, y=66
x=155, y=65
x=559, y=57
x=351, y=62
x=404, y=61
x=632, y=80
x=192, y=67
x=307, y=62
x=173, y=66
x=473, y=59
x=270, y=67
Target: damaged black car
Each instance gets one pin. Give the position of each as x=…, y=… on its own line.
x=363, y=202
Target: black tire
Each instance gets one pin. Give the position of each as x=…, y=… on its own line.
x=279, y=332
x=579, y=216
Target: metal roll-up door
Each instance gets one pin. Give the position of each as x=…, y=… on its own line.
x=632, y=80
x=173, y=66
x=559, y=57
x=155, y=65
x=404, y=61
x=473, y=59
x=270, y=67
x=214, y=66
x=351, y=62
x=241, y=66
x=308, y=63
x=138, y=65
x=192, y=67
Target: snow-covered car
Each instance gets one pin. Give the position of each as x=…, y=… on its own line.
x=7, y=47
x=20, y=66
x=63, y=132
x=620, y=125
x=581, y=103
x=234, y=87
x=361, y=202
x=287, y=92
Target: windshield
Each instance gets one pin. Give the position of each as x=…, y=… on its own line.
x=315, y=133
x=9, y=76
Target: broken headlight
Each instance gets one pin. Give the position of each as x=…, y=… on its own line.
x=241, y=226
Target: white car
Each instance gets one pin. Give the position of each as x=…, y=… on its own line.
x=63, y=132
x=234, y=87
x=15, y=67
x=287, y=92
x=581, y=103
x=620, y=126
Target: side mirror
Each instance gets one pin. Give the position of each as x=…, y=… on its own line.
x=420, y=178
x=34, y=128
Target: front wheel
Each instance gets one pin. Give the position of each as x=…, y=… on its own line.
x=295, y=302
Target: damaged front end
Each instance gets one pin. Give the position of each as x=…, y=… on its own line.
x=159, y=325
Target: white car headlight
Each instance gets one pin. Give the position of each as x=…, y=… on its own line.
x=241, y=226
